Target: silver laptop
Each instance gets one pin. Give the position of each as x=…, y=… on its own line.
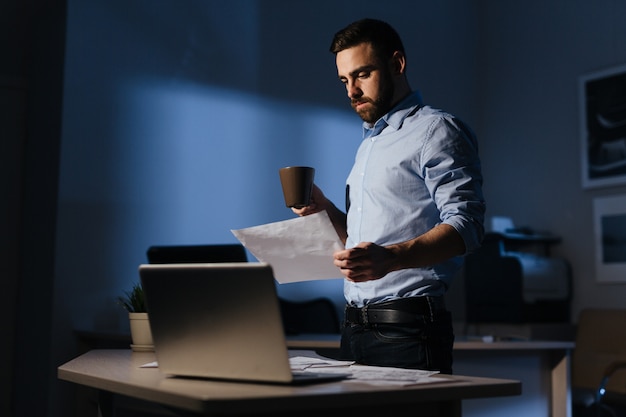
x=219, y=320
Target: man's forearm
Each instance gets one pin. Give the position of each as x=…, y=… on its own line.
x=437, y=245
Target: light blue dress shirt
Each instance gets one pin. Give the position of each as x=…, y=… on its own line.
x=416, y=167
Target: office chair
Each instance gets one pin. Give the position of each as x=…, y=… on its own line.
x=599, y=364
x=495, y=289
x=312, y=316
x=493, y=285
x=173, y=254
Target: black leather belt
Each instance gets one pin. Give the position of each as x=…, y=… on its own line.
x=403, y=310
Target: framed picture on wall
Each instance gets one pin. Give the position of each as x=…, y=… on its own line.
x=603, y=127
x=610, y=238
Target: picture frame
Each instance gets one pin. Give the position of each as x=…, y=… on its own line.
x=610, y=238
x=602, y=99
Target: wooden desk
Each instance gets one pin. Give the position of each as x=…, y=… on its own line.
x=117, y=371
x=543, y=367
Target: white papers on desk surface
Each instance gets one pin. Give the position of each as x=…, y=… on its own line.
x=299, y=249
x=374, y=375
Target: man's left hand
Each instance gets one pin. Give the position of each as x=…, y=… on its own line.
x=364, y=262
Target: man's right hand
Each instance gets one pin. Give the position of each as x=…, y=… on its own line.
x=318, y=203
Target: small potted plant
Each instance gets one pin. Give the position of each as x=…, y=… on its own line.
x=133, y=301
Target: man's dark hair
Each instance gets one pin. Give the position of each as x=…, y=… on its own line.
x=383, y=38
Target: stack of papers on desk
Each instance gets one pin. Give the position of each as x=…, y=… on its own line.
x=374, y=375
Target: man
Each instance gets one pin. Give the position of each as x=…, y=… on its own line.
x=414, y=207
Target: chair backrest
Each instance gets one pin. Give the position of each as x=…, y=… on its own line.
x=493, y=285
x=312, y=316
x=600, y=340
x=176, y=254
x=504, y=287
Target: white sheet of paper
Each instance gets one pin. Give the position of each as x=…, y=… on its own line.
x=299, y=249
x=375, y=375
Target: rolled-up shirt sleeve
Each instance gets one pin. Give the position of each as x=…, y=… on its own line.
x=452, y=173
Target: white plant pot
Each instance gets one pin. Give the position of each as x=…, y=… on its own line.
x=140, y=332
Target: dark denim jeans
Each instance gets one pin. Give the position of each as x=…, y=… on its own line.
x=426, y=344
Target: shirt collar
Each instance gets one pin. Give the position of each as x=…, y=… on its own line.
x=395, y=117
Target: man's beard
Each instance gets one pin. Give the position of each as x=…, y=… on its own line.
x=379, y=107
